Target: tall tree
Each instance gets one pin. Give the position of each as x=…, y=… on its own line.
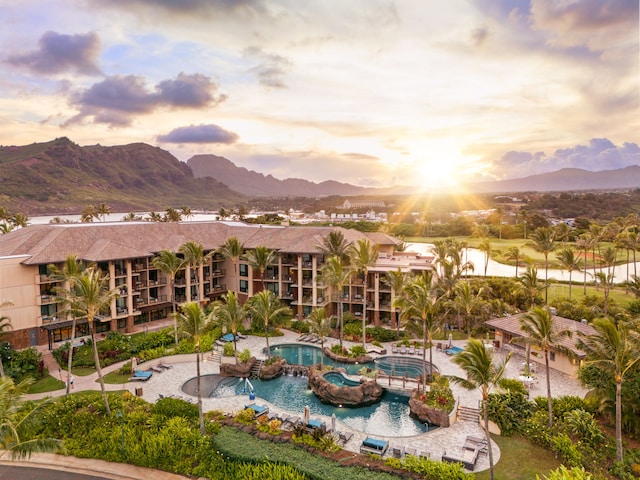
x=334, y=243
x=513, y=254
x=468, y=302
x=12, y=419
x=584, y=243
x=614, y=348
x=529, y=284
x=485, y=247
x=336, y=274
x=320, y=324
x=68, y=273
x=88, y=296
x=395, y=279
x=195, y=257
x=420, y=304
x=570, y=263
x=232, y=249
x=193, y=321
x=101, y=211
x=230, y=314
x=88, y=214
x=544, y=242
x=266, y=307
x=170, y=264
x=364, y=256
x=260, y=258
x=481, y=373
x=541, y=330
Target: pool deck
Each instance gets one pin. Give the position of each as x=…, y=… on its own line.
x=435, y=443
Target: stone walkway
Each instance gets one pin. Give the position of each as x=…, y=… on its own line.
x=434, y=443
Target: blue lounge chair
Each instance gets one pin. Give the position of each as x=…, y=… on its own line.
x=142, y=375
x=258, y=409
x=375, y=446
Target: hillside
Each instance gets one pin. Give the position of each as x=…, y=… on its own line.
x=566, y=179
x=251, y=183
x=62, y=177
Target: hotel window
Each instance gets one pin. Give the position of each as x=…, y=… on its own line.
x=244, y=270
x=552, y=356
x=244, y=286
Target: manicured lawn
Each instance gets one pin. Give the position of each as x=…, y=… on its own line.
x=520, y=459
x=82, y=371
x=46, y=384
x=116, y=378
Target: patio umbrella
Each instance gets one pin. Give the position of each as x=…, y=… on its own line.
x=450, y=340
x=305, y=415
x=333, y=422
x=134, y=365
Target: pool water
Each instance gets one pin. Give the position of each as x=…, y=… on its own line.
x=339, y=380
x=390, y=417
x=403, y=366
x=307, y=355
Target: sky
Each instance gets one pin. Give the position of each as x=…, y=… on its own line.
x=368, y=92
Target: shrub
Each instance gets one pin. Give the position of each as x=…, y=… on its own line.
x=245, y=355
x=562, y=473
x=227, y=349
x=440, y=395
x=175, y=407
x=509, y=410
x=357, y=351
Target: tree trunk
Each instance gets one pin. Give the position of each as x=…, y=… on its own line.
x=364, y=316
x=266, y=336
x=549, y=401
x=96, y=359
x=173, y=309
x=485, y=415
x=70, y=355
x=200, y=414
x=1, y=369
x=340, y=318
x=619, y=420
x=235, y=346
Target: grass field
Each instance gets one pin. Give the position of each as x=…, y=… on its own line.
x=520, y=459
x=46, y=384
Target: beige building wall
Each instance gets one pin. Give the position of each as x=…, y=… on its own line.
x=18, y=285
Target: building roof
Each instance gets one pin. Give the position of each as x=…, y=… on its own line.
x=512, y=326
x=53, y=243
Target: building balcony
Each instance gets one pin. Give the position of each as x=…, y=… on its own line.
x=286, y=296
x=42, y=278
x=120, y=272
x=180, y=282
x=138, y=267
x=46, y=299
x=48, y=319
x=158, y=282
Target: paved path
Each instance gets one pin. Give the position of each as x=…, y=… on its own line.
x=434, y=443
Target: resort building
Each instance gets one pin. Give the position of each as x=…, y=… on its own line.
x=566, y=359
x=125, y=251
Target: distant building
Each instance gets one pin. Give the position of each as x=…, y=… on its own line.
x=347, y=204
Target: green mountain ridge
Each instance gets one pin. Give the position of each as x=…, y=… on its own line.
x=59, y=177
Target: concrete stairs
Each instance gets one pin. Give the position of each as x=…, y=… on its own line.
x=467, y=414
x=215, y=357
x=255, y=370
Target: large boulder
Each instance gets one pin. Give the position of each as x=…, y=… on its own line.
x=367, y=393
x=241, y=370
x=424, y=413
x=273, y=370
x=346, y=359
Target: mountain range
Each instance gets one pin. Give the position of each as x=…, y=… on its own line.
x=62, y=177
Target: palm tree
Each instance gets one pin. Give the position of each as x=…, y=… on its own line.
x=320, y=324
x=440, y=250
x=193, y=321
x=606, y=279
x=186, y=212
x=513, y=254
x=485, y=247
x=195, y=257
x=421, y=304
x=170, y=264
x=615, y=349
x=481, y=373
x=544, y=242
x=468, y=302
x=19, y=220
x=88, y=214
x=530, y=285
x=334, y=243
x=230, y=314
x=266, y=306
x=171, y=215
x=101, y=211
x=131, y=217
x=12, y=418
x=68, y=273
x=88, y=296
x=585, y=242
x=363, y=256
x=542, y=332
x=5, y=325
x=260, y=258
x=396, y=280
x=570, y=262
x=336, y=274
x=223, y=213
x=232, y=249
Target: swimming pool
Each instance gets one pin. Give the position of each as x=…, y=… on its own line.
x=390, y=417
x=307, y=355
x=339, y=380
x=403, y=366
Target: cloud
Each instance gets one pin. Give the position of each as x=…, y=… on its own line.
x=59, y=53
x=116, y=99
x=479, y=35
x=197, y=9
x=599, y=154
x=199, y=134
x=271, y=68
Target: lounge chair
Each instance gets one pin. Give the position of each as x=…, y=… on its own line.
x=439, y=347
x=313, y=423
x=374, y=446
x=420, y=351
x=156, y=369
x=403, y=349
x=394, y=348
x=258, y=410
x=344, y=437
x=412, y=350
x=165, y=366
x=290, y=421
x=141, y=375
x=411, y=451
